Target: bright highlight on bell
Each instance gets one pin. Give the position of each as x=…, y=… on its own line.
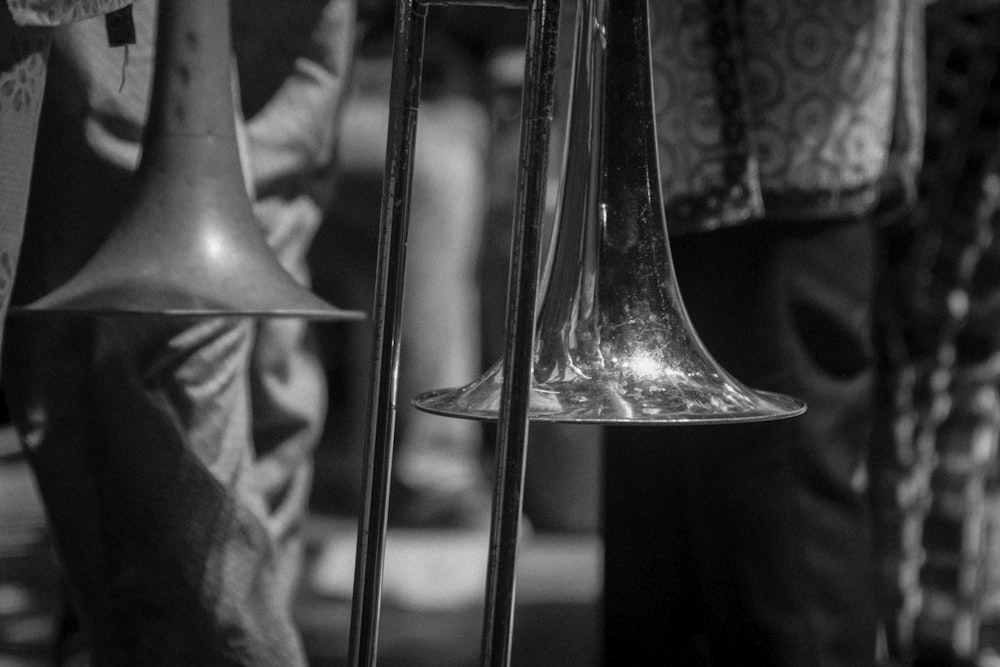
x=613, y=343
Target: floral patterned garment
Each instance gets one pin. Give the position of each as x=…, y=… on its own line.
x=58, y=12
x=24, y=49
x=784, y=108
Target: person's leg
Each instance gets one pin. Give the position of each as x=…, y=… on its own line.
x=439, y=477
x=139, y=435
x=764, y=525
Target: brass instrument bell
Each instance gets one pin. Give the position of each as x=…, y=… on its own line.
x=613, y=343
x=187, y=243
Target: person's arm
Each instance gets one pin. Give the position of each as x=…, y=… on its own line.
x=294, y=130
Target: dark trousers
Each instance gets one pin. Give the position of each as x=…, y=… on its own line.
x=749, y=544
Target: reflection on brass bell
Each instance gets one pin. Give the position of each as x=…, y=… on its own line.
x=613, y=343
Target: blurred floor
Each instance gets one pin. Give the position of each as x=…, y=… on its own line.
x=27, y=568
x=432, y=600
x=432, y=608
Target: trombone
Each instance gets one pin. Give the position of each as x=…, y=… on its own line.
x=609, y=342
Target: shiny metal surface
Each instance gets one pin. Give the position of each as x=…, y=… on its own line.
x=404, y=102
x=188, y=243
x=537, y=104
x=537, y=107
x=613, y=343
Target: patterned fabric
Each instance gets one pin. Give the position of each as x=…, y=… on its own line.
x=24, y=50
x=779, y=106
x=23, y=63
x=58, y=12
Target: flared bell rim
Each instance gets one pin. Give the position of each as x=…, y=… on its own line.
x=762, y=406
x=187, y=249
x=283, y=300
x=316, y=315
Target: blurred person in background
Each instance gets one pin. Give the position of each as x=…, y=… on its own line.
x=462, y=207
x=438, y=475
x=935, y=450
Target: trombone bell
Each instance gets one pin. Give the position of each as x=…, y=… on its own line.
x=188, y=243
x=613, y=343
